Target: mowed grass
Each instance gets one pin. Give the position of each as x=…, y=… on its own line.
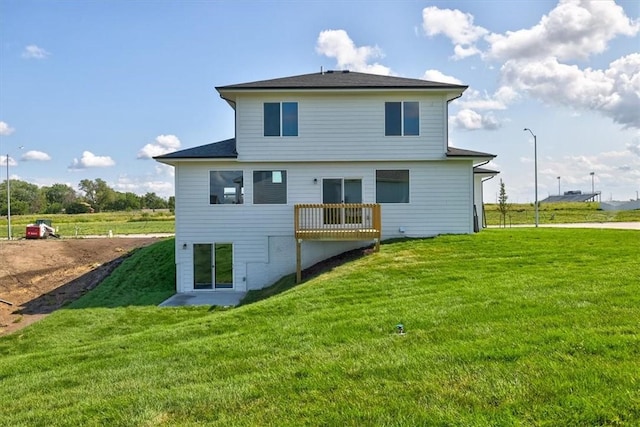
x=506, y=327
x=80, y=225
x=558, y=213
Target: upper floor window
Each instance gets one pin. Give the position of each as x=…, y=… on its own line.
x=226, y=187
x=392, y=186
x=402, y=118
x=269, y=187
x=280, y=119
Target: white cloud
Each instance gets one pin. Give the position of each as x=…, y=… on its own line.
x=90, y=160
x=634, y=147
x=5, y=129
x=3, y=161
x=165, y=170
x=615, y=91
x=471, y=120
x=617, y=173
x=34, y=52
x=145, y=184
x=473, y=99
x=463, y=52
x=573, y=29
x=535, y=58
x=457, y=26
x=612, y=170
x=453, y=23
x=337, y=44
x=163, y=144
x=35, y=155
x=437, y=76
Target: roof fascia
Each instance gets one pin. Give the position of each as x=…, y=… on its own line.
x=173, y=161
x=227, y=94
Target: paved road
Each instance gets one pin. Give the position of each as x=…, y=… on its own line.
x=616, y=225
x=117, y=236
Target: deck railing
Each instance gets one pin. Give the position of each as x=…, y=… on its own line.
x=338, y=221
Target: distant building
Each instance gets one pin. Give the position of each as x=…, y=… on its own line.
x=620, y=206
x=573, y=196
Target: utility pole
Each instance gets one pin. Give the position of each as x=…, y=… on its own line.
x=535, y=167
x=8, y=202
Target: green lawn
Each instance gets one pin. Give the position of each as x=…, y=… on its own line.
x=79, y=225
x=505, y=327
x=138, y=222
x=558, y=213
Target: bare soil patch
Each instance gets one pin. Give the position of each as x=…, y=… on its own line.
x=39, y=276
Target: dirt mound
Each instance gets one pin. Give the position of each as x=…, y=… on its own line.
x=40, y=276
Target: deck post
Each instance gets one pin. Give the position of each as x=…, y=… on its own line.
x=298, y=260
x=335, y=221
x=378, y=224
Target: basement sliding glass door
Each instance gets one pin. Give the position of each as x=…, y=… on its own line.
x=223, y=265
x=212, y=266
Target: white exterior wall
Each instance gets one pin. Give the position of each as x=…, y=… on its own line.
x=478, y=199
x=441, y=197
x=341, y=127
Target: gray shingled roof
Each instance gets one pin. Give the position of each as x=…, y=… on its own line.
x=218, y=150
x=227, y=150
x=485, y=171
x=341, y=80
x=571, y=198
x=460, y=152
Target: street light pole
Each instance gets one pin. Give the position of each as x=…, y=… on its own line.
x=8, y=202
x=559, y=193
x=535, y=167
x=592, y=188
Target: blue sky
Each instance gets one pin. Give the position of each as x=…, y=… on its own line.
x=93, y=89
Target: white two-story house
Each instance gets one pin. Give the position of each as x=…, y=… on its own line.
x=320, y=164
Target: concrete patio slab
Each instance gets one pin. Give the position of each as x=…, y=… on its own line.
x=221, y=298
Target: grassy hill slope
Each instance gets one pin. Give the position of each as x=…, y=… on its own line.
x=521, y=326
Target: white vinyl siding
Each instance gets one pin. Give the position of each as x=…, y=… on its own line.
x=262, y=234
x=341, y=128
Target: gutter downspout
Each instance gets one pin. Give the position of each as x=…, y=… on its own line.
x=482, y=181
x=235, y=120
x=446, y=148
x=446, y=145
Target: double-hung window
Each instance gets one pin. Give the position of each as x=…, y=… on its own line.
x=402, y=118
x=280, y=119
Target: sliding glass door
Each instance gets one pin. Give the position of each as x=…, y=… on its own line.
x=342, y=190
x=212, y=266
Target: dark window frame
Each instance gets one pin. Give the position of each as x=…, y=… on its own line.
x=386, y=178
x=280, y=119
x=402, y=118
x=279, y=194
x=219, y=181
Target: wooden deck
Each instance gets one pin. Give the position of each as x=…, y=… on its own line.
x=331, y=222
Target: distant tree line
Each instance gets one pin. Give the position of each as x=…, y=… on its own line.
x=93, y=196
